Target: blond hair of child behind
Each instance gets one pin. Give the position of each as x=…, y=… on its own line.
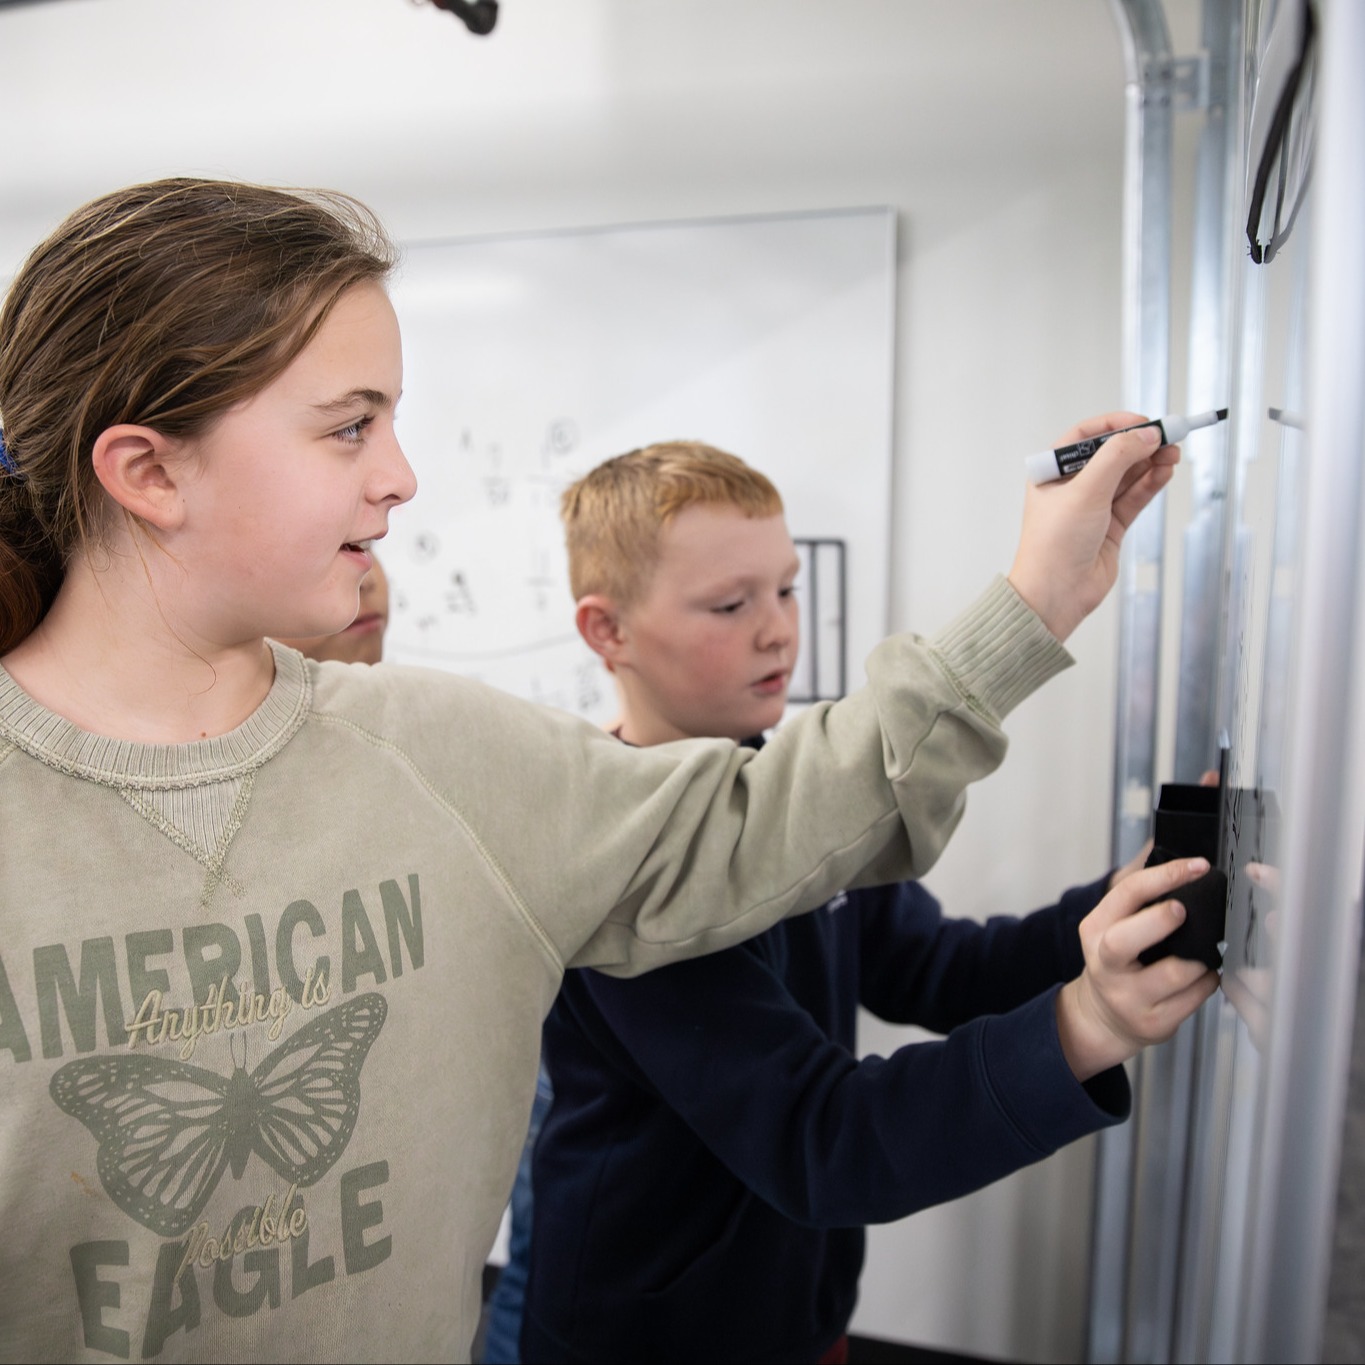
x=613, y=515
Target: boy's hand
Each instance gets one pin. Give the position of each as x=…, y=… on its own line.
x=1068, y=552
x=1116, y=1007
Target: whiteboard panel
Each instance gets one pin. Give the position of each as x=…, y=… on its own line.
x=531, y=358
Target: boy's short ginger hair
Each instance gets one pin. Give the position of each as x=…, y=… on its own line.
x=613, y=515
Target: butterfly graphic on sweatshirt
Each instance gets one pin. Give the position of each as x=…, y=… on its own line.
x=168, y=1130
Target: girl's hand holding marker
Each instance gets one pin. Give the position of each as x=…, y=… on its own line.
x=1047, y=465
x=1068, y=552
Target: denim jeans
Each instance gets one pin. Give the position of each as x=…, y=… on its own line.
x=502, y=1344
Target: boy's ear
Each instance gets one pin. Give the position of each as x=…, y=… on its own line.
x=599, y=623
x=138, y=468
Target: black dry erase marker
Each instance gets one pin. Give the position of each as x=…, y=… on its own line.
x=1047, y=465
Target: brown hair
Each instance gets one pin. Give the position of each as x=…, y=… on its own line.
x=613, y=514
x=161, y=305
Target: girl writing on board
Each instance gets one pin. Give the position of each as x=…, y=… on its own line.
x=276, y=937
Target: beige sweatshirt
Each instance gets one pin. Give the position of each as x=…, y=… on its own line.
x=270, y=1003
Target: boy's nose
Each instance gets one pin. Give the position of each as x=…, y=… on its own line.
x=776, y=629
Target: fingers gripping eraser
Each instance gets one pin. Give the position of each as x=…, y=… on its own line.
x=1206, y=903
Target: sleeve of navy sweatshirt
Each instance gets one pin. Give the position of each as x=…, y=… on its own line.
x=919, y=967
x=772, y=1085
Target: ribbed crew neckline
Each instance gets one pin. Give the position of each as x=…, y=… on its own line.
x=55, y=741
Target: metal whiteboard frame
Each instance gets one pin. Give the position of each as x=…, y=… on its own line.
x=1125, y=1162
x=1212, y=322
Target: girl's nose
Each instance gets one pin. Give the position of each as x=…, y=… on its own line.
x=396, y=483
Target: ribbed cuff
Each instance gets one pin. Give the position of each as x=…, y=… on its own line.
x=999, y=651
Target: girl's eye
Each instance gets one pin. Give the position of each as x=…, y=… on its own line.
x=788, y=591
x=354, y=433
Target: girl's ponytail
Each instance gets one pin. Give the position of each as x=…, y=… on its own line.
x=30, y=566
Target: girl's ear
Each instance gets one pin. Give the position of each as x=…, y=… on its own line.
x=138, y=468
x=599, y=623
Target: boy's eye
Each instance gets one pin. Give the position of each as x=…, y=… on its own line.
x=788, y=591
x=355, y=432
x=727, y=608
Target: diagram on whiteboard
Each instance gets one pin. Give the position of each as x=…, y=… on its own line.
x=530, y=359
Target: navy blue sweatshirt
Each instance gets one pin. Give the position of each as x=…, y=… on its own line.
x=715, y=1145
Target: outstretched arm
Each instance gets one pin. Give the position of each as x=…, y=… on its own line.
x=643, y=857
x=722, y=1053
x=922, y=967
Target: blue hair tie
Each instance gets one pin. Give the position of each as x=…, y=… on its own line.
x=6, y=459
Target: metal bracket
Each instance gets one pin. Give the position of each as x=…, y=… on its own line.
x=1181, y=82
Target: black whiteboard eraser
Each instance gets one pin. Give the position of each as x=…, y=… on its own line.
x=1206, y=906
x=1186, y=821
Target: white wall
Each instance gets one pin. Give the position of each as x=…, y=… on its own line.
x=993, y=127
